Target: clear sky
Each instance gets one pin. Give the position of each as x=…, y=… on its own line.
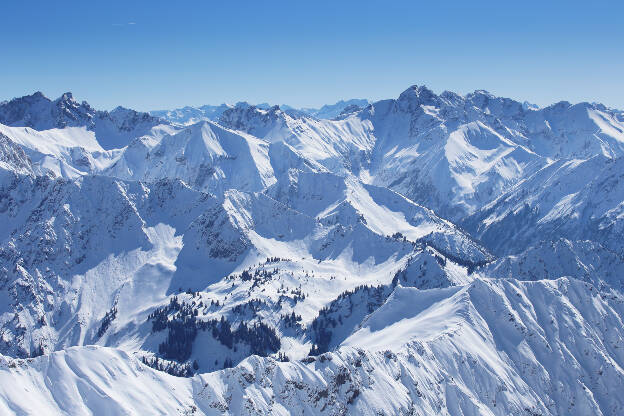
x=164, y=54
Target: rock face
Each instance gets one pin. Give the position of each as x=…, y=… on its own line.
x=460, y=252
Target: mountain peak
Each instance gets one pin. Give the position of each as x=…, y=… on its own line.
x=483, y=92
x=529, y=106
x=480, y=97
x=121, y=109
x=67, y=99
x=243, y=105
x=418, y=95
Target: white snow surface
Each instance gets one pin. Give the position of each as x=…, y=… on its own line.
x=494, y=347
x=431, y=254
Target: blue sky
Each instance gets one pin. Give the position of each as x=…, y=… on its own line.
x=157, y=54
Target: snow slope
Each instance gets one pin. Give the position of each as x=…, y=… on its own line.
x=574, y=199
x=205, y=155
x=68, y=152
x=583, y=260
x=495, y=347
x=70, y=249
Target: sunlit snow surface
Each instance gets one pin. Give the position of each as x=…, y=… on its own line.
x=433, y=254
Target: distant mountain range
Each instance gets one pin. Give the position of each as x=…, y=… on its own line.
x=189, y=115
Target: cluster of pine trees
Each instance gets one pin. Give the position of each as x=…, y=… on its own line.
x=181, y=322
x=470, y=265
x=292, y=320
x=173, y=368
x=331, y=316
x=270, y=260
x=250, y=308
x=106, y=321
x=258, y=275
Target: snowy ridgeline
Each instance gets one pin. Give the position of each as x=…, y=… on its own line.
x=424, y=255
x=491, y=347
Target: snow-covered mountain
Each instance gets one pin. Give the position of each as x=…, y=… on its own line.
x=430, y=254
x=331, y=111
x=113, y=129
x=204, y=155
x=584, y=260
x=190, y=115
x=454, y=154
x=577, y=199
x=495, y=347
x=72, y=265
